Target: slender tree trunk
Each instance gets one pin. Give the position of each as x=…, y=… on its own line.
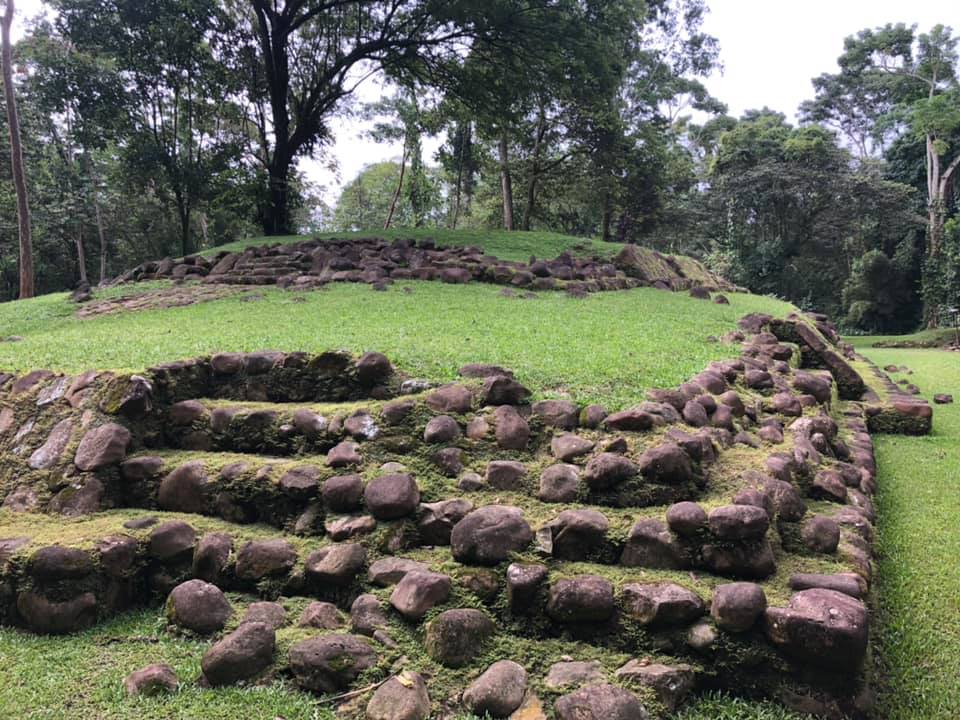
x=101, y=233
x=16, y=156
x=396, y=193
x=459, y=188
x=534, y=170
x=607, y=216
x=81, y=257
x=506, y=184
x=183, y=210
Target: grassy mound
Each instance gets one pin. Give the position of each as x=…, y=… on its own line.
x=606, y=348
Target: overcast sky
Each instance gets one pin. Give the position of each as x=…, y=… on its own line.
x=770, y=51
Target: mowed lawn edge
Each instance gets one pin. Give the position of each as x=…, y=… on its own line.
x=917, y=624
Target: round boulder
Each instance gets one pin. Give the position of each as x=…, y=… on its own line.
x=241, y=655
x=198, y=606
x=392, y=497
x=489, y=535
x=330, y=663
x=498, y=692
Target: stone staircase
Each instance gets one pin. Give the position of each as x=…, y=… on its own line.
x=715, y=535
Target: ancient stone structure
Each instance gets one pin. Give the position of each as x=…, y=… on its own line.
x=313, y=263
x=440, y=523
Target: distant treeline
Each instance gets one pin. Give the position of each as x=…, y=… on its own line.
x=161, y=128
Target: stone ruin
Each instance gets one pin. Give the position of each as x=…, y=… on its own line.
x=313, y=263
x=459, y=547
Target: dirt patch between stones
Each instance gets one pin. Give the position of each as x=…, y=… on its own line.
x=156, y=299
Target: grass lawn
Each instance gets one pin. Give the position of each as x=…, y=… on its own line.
x=81, y=676
x=505, y=245
x=918, y=628
x=606, y=348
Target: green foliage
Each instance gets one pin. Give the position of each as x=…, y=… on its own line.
x=877, y=295
x=791, y=214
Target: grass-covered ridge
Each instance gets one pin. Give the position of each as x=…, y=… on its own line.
x=606, y=348
x=504, y=245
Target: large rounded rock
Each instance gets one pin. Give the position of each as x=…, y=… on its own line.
x=337, y=564
x=498, y=692
x=102, y=446
x=588, y=598
x=821, y=628
x=268, y=613
x=330, y=663
x=577, y=534
x=662, y=604
x=600, y=702
x=198, y=606
x=400, y=698
x=512, y=431
x=321, y=615
x=418, y=592
x=559, y=484
x=366, y=615
x=737, y=606
x=373, y=368
x=391, y=497
x=686, y=519
x=506, y=474
x=739, y=522
x=53, y=617
x=455, y=637
x=343, y=493
x=489, y=535
x=608, y=469
x=651, y=545
x=666, y=463
x=171, y=540
x=265, y=558
x=753, y=561
x=455, y=399
x=211, y=557
x=568, y=447
x=241, y=655
x=821, y=534
x=184, y=489
x=441, y=429
x=56, y=562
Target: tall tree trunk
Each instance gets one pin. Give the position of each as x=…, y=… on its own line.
x=101, y=233
x=396, y=193
x=506, y=184
x=81, y=257
x=16, y=156
x=607, y=216
x=276, y=221
x=534, y=169
x=183, y=210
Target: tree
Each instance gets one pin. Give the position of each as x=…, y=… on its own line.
x=178, y=124
x=303, y=59
x=16, y=158
x=894, y=80
x=792, y=215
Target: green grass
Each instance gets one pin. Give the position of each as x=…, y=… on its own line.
x=81, y=676
x=606, y=348
x=503, y=244
x=923, y=338
x=918, y=628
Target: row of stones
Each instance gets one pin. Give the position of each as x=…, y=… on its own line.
x=380, y=263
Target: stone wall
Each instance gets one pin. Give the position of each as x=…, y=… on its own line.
x=517, y=554
x=316, y=262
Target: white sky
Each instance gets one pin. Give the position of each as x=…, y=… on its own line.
x=770, y=49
